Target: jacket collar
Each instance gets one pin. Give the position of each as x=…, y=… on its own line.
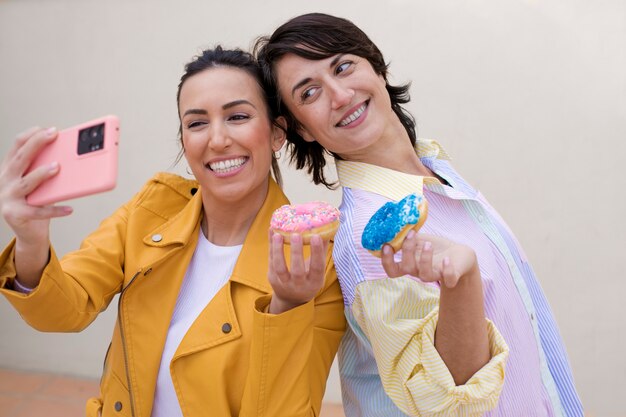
x=178, y=229
x=252, y=264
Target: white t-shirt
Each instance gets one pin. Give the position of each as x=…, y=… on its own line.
x=210, y=268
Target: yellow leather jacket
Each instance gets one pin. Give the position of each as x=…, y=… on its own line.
x=235, y=360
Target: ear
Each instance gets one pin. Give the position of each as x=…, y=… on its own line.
x=279, y=134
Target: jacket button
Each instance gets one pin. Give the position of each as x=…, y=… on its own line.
x=118, y=406
x=193, y=191
x=226, y=327
x=157, y=237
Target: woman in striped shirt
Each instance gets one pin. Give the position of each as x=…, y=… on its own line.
x=412, y=347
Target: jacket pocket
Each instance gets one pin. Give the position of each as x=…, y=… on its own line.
x=116, y=401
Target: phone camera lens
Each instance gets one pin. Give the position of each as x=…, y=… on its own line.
x=91, y=139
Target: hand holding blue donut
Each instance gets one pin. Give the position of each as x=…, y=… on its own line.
x=430, y=258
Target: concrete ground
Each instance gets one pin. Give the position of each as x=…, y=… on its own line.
x=35, y=394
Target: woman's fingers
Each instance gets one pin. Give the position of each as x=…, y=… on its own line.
x=26, y=148
x=417, y=260
x=277, y=257
x=27, y=213
x=449, y=273
x=302, y=280
x=298, y=268
x=21, y=155
x=425, y=262
x=391, y=267
x=317, y=261
x=408, y=263
x=29, y=182
x=429, y=258
x=20, y=140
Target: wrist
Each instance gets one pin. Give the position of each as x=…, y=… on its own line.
x=37, y=247
x=468, y=284
x=30, y=262
x=277, y=305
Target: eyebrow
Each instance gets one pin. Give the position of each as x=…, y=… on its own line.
x=195, y=111
x=306, y=80
x=237, y=103
x=224, y=107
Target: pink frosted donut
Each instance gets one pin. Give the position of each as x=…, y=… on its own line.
x=316, y=217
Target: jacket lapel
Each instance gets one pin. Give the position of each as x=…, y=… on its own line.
x=147, y=302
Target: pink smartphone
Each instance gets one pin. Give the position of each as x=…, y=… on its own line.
x=87, y=157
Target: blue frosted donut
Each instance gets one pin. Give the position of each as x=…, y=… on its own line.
x=391, y=219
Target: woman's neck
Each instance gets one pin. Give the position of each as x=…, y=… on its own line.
x=394, y=151
x=227, y=223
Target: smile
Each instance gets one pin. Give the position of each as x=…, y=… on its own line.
x=354, y=116
x=223, y=167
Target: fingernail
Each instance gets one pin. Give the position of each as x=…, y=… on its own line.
x=386, y=249
x=53, y=166
x=410, y=234
x=51, y=131
x=427, y=245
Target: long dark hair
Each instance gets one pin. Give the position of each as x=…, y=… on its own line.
x=318, y=36
x=235, y=58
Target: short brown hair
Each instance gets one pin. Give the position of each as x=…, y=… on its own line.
x=317, y=36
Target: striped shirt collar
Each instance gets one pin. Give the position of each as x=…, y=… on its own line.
x=387, y=182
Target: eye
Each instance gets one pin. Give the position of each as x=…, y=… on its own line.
x=343, y=67
x=238, y=117
x=195, y=124
x=308, y=93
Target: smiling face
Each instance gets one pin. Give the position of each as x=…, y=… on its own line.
x=227, y=136
x=340, y=102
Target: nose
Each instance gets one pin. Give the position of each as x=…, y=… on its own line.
x=340, y=94
x=219, y=138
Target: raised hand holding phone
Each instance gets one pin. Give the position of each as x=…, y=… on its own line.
x=87, y=158
x=30, y=181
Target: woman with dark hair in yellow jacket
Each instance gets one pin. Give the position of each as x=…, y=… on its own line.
x=208, y=324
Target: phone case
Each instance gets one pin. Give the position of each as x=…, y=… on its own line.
x=87, y=157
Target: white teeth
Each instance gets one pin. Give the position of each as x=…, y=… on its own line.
x=227, y=165
x=353, y=116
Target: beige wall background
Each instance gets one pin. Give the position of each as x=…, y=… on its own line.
x=528, y=96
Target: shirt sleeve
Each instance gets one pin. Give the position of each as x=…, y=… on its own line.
x=75, y=289
x=291, y=354
x=399, y=318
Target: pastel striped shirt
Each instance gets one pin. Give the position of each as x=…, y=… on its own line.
x=387, y=361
